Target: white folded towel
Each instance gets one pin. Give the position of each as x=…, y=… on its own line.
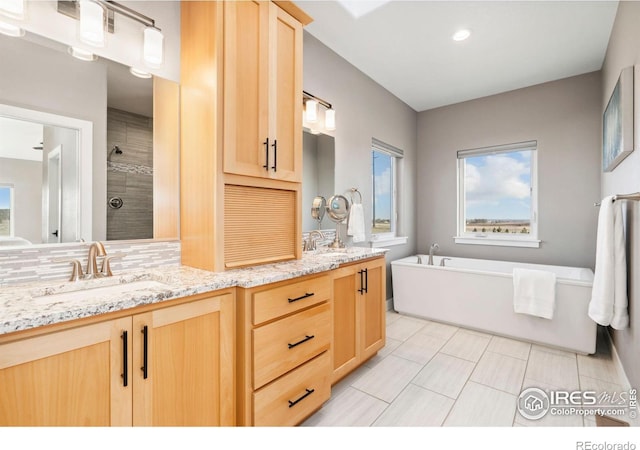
x=355, y=227
x=534, y=292
x=608, y=304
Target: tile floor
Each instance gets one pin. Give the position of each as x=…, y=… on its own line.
x=433, y=374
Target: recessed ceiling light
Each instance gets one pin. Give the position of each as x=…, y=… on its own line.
x=81, y=54
x=11, y=30
x=461, y=35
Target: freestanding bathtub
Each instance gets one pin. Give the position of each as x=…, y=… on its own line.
x=478, y=294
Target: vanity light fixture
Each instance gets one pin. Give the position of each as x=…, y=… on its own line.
x=81, y=54
x=15, y=10
x=98, y=16
x=9, y=29
x=461, y=35
x=311, y=103
x=139, y=73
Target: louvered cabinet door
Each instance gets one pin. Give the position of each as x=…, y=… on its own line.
x=259, y=225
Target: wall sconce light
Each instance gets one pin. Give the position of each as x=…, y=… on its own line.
x=12, y=9
x=81, y=54
x=311, y=103
x=98, y=17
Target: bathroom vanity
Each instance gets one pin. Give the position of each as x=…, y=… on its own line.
x=181, y=346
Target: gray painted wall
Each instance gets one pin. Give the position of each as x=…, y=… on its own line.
x=624, y=51
x=54, y=82
x=564, y=117
x=364, y=110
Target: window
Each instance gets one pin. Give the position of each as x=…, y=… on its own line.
x=385, y=173
x=497, y=202
x=6, y=211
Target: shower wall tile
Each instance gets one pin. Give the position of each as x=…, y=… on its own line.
x=26, y=265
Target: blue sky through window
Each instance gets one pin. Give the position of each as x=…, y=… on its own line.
x=5, y=197
x=498, y=187
x=382, y=189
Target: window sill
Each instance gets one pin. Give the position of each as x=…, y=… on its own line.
x=388, y=241
x=503, y=242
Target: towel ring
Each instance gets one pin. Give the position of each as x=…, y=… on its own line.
x=355, y=191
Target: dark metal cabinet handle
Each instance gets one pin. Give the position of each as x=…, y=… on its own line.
x=306, y=338
x=361, y=290
x=307, y=295
x=266, y=151
x=145, y=352
x=305, y=395
x=125, y=359
x=366, y=280
x=275, y=156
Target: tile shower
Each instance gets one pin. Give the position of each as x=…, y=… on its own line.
x=129, y=175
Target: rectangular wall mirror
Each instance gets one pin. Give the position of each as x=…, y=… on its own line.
x=318, y=176
x=87, y=150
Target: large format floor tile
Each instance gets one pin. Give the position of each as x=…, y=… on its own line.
x=482, y=406
x=416, y=407
x=432, y=374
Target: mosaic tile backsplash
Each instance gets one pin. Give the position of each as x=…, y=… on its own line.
x=25, y=265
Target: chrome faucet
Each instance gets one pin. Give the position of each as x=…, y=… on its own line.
x=310, y=243
x=443, y=260
x=432, y=250
x=95, y=249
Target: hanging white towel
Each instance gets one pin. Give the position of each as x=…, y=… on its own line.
x=608, y=304
x=355, y=228
x=534, y=292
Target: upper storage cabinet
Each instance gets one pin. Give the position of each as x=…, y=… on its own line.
x=262, y=91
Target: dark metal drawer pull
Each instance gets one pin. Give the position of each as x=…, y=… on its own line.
x=308, y=393
x=125, y=359
x=266, y=151
x=145, y=352
x=307, y=338
x=307, y=295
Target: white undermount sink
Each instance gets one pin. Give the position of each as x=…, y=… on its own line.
x=100, y=291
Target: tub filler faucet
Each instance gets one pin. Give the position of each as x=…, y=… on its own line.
x=432, y=250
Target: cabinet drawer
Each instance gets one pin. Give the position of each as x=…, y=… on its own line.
x=283, y=345
x=276, y=302
x=293, y=397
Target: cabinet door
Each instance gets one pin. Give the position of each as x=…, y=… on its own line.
x=187, y=375
x=346, y=335
x=285, y=102
x=373, y=307
x=68, y=378
x=246, y=88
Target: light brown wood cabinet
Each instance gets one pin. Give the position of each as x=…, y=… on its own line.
x=358, y=314
x=262, y=91
x=168, y=366
x=241, y=116
x=283, y=350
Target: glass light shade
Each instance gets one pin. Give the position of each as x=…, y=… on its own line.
x=330, y=119
x=139, y=73
x=11, y=30
x=12, y=8
x=153, y=47
x=311, y=111
x=91, y=29
x=82, y=55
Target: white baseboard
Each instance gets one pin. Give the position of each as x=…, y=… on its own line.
x=623, y=377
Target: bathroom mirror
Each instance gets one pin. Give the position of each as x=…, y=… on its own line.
x=318, y=176
x=39, y=76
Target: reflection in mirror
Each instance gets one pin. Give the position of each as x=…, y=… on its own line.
x=318, y=176
x=42, y=186
x=39, y=75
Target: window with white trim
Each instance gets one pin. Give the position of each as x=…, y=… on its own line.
x=385, y=163
x=497, y=195
x=6, y=211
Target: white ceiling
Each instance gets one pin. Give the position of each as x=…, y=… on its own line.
x=406, y=46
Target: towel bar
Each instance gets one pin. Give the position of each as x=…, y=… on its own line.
x=635, y=196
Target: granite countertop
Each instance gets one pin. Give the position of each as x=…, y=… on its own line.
x=33, y=305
